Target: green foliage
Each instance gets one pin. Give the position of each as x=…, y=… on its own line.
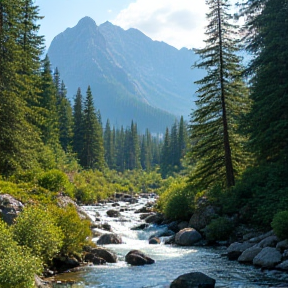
x=56, y=181
x=17, y=265
x=280, y=224
x=219, y=229
x=177, y=201
x=75, y=230
x=36, y=229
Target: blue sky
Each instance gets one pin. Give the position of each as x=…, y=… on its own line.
x=180, y=23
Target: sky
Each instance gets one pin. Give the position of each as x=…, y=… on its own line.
x=180, y=23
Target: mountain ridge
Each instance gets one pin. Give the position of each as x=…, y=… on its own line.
x=128, y=72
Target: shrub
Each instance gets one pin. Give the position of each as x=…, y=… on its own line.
x=177, y=201
x=17, y=265
x=36, y=229
x=56, y=180
x=219, y=229
x=74, y=229
x=280, y=224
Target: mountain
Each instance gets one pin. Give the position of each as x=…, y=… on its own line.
x=131, y=76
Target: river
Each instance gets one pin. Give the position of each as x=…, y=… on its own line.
x=171, y=261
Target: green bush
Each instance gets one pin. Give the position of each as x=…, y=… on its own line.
x=75, y=230
x=56, y=181
x=37, y=230
x=219, y=229
x=177, y=201
x=17, y=265
x=280, y=224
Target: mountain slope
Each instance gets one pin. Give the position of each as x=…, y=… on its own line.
x=131, y=76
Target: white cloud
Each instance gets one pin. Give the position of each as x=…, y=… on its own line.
x=179, y=23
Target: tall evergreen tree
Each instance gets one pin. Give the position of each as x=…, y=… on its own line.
x=65, y=119
x=93, y=149
x=18, y=138
x=120, y=152
x=165, y=152
x=222, y=98
x=267, y=41
x=78, y=124
x=108, y=146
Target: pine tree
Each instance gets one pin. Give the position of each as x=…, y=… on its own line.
x=93, y=149
x=108, y=146
x=222, y=98
x=49, y=124
x=165, y=158
x=120, y=152
x=267, y=41
x=18, y=138
x=65, y=119
x=78, y=124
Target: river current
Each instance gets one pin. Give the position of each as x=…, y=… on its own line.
x=171, y=261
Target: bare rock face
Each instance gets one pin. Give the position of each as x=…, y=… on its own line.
x=109, y=239
x=138, y=258
x=268, y=258
x=187, y=237
x=193, y=280
x=9, y=208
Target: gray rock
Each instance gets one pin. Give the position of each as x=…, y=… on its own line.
x=249, y=254
x=143, y=210
x=154, y=240
x=105, y=254
x=140, y=226
x=261, y=237
x=193, y=280
x=268, y=258
x=145, y=215
x=236, y=249
x=250, y=235
x=90, y=257
x=183, y=225
x=113, y=213
x=173, y=226
x=187, y=237
x=138, y=258
x=109, y=239
x=282, y=245
x=154, y=219
x=270, y=241
x=283, y=266
x=9, y=208
x=170, y=240
x=202, y=217
x=285, y=255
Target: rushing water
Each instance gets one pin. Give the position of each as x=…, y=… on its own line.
x=171, y=261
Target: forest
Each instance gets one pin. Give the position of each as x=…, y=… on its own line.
x=232, y=152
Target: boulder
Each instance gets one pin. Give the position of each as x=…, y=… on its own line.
x=9, y=208
x=154, y=240
x=270, y=241
x=113, y=213
x=143, y=210
x=268, y=258
x=145, y=215
x=154, y=219
x=249, y=254
x=182, y=225
x=283, y=266
x=140, y=226
x=173, y=226
x=106, y=226
x=284, y=255
x=170, y=240
x=64, y=201
x=282, y=245
x=90, y=257
x=65, y=263
x=105, y=254
x=202, y=217
x=236, y=249
x=115, y=204
x=109, y=239
x=138, y=258
x=193, y=280
x=187, y=237
x=261, y=237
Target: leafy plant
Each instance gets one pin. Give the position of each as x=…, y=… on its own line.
x=36, y=229
x=17, y=265
x=280, y=224
x=219, y=229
